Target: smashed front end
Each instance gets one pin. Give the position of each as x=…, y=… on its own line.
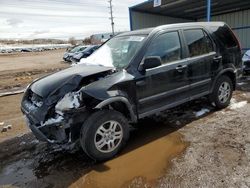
x=57, y=123
x=56, y=107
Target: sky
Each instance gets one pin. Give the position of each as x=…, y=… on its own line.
x=61, y=19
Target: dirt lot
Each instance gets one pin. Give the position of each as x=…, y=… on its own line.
x=17, y=70
x=190, y=146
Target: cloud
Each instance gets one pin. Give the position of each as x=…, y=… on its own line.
x=61, y=19
x=41, y=32
x=14, y=21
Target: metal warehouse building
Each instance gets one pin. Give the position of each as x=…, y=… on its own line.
x=235, y=13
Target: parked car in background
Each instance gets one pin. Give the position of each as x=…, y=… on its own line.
x=83, y=54
x=69, y=53
x=132, y=76
x=246, y=62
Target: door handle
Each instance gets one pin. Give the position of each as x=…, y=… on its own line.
x=181, y=67
x=217, y=58
x=141, y=83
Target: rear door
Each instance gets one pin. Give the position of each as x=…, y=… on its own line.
x=202, y=54
x=167, y=85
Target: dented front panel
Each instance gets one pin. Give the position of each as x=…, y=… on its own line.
x=57, y=105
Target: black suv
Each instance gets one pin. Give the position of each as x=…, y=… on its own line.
x=132, y=76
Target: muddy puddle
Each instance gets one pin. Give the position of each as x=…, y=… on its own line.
x=148, y=162
x=147, y=156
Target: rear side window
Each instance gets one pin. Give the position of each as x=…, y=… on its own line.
x=198, y=42
x=167, y=46
x=225, y=35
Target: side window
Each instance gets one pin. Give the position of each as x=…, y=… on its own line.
x=167, y=46
x=198, y=42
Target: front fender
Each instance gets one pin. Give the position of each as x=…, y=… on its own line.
x=119, y=99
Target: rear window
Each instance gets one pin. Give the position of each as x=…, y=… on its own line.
x=198, y=42
x=226, y=36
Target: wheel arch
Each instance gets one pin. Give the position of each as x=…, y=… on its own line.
x=120, y=104
x=230, y=72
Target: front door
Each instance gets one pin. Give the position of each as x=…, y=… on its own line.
x=167, y=85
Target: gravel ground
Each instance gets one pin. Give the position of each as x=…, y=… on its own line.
x=219, y=150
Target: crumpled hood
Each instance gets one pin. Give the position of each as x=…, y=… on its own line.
x=66, y=80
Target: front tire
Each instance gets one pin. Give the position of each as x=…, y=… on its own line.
x=103, y=134
x=222, y=92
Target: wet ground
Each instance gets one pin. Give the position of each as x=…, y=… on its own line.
x=190, y=146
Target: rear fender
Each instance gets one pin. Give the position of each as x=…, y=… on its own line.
x=229, y=72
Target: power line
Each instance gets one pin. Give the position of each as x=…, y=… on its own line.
x=111, y=17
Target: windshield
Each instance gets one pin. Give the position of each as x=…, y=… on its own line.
x=117, y=52
x=77, y=49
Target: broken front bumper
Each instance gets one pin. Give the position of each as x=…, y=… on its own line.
x=49, y=126
x=38, y=134
x=40, y=130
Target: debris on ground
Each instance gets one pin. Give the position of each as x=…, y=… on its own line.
x=11, y=93
x=35, y=141
x=22, y=143
x=202, y=112
x=6, y=128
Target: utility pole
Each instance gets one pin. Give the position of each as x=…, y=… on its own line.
x=111, y=17
x=209, y=10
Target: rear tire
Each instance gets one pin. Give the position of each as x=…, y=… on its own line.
x=222, y=92
x=103, y=134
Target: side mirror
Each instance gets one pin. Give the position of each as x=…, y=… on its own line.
x=150, y=62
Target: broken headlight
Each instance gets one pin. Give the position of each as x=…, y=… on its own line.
x=69, y=101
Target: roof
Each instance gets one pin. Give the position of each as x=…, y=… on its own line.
x=191, y=9
x=138, y=32
x=171, y=26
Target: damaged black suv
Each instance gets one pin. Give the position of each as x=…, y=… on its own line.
x=132, y=76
